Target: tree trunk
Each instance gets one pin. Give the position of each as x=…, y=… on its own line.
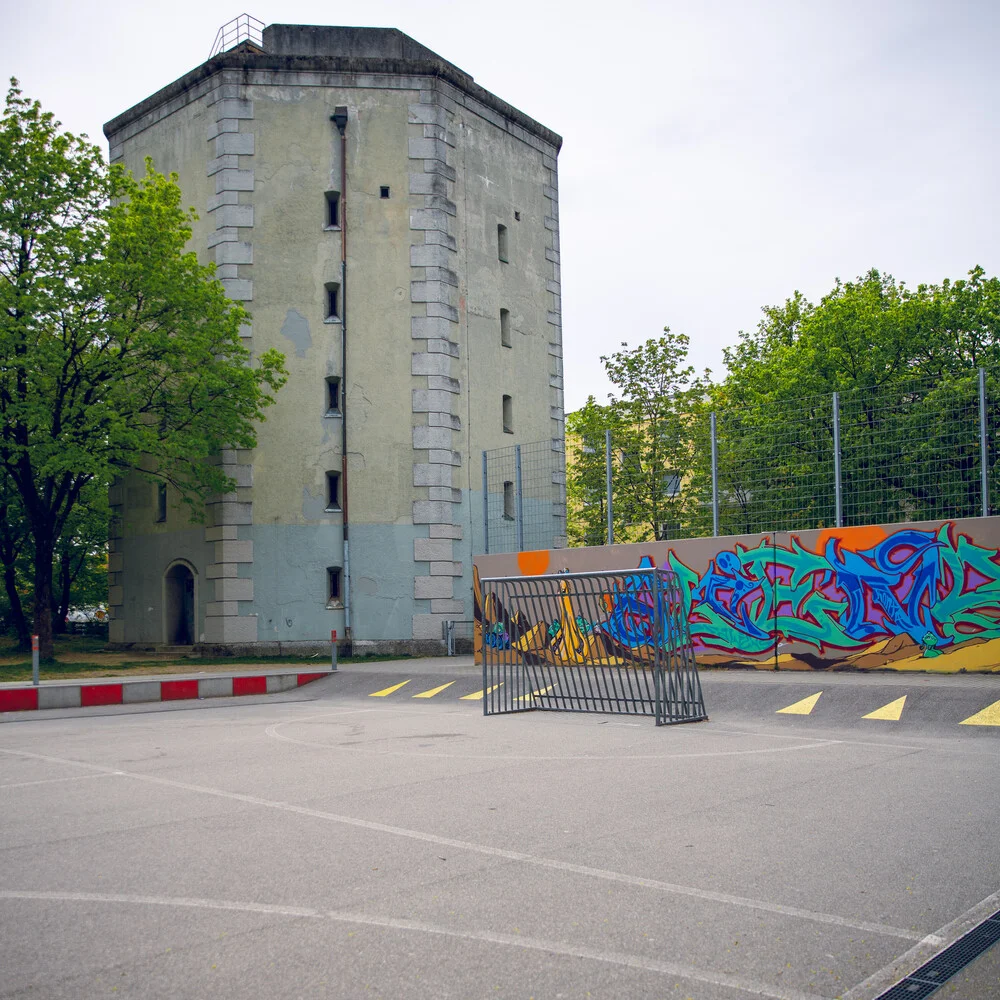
x=43, y=596
x=60, y=603
x=16, y=609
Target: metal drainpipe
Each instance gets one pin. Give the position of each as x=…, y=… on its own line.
x=339, y=118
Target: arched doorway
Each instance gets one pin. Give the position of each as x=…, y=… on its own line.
x=178, y=605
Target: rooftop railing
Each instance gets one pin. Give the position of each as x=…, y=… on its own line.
x=241, y=29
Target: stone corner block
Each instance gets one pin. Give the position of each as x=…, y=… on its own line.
x=233, y=552
x=233, y=589
x=432, y=549
x=231, y=629
x=429, y=626
x=433, y=586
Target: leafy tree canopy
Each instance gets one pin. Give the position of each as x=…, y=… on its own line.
x=647, y=414
x=866, y=333
x=118, y=350
x=903, y=361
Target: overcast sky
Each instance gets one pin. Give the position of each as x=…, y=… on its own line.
x=716, y=156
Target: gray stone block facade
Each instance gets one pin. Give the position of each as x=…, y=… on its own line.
x=386, y=299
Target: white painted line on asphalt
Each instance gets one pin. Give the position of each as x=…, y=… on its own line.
x=927, y=948
x=675, y=969
x=49, y=781
x=885, y=744
x=499, y=852
x=272, y=731
x=182, y=901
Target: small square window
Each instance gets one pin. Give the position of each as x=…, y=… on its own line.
x=161, y=502
x=334, y=587
x=333, y=397
x=508, y=501
x=333, y=491
x=383, y=191
x=505, y=328
x=332, y=302
x=502, y=243
x=332, y=209
x=672, y=484
x=508, y=415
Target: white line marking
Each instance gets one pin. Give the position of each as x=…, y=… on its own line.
x=183, y=901
x=924, y=950
x=272, y=731
x=49, y=781
x=392, y=923
x=499, y=852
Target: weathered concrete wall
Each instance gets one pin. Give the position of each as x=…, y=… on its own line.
x=290, y=564
x=148, y=556
x=434, y=165
x=922, y=596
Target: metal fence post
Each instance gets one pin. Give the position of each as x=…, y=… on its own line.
x=518, y=498
x=486, y=508
x=983, y=454
x=715, y=478
x=658, y=632
x=607, y=486
x=34, y=660
x=837, y=491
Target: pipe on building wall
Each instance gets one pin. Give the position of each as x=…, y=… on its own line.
x=339, y=118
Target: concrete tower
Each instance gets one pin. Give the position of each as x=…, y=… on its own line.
x=392, y=227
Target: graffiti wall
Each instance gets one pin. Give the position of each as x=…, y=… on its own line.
x=899, y=597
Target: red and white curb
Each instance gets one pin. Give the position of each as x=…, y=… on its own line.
x=28, y=698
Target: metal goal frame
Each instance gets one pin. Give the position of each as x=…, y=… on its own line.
x=613, y=642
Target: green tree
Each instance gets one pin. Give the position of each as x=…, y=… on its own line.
x=80, y=564
x=119, y=350
x=586, y=478
x=903, y=361
x=655, y=392
x=14, y=547
x=649, y=417
x=80, y=576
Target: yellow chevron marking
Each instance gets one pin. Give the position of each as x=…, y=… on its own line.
x=803, y=707
x=528, y=697
x=478, y=695
x=890, y=712
x=433, y=691
x=387, y=691
x=989, y=716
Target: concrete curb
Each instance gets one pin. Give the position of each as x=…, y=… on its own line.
x=88, y=694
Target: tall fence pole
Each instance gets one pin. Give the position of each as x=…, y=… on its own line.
x=607, y=486
x=486, y=508
x=837, y=491
x=715, y=478
x=983, y=456
x=519, y=498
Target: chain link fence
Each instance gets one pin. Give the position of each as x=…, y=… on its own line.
x=919, y=450
x=524, y=497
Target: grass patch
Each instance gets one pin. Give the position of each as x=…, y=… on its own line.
x=21, y=670
x=85, y=656
x=63, y=644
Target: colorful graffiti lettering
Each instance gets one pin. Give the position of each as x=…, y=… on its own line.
x=916, y=584
x=866, y=599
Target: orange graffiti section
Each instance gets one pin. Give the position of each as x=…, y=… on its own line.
x=533, y=563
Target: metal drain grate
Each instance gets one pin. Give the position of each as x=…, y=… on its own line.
x=943, y=966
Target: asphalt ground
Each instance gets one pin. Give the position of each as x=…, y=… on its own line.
x=328, y=843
